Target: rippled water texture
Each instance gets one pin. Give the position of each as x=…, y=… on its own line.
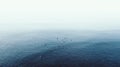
x=60, y=49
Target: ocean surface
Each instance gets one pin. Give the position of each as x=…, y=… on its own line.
x=51, y=48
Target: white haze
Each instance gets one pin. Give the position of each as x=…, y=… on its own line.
x=59, y=14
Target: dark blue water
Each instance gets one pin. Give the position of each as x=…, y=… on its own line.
x=61, y=49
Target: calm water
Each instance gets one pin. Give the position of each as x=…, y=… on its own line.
x=60, y=49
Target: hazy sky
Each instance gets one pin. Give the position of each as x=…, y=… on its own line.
x=60, y=14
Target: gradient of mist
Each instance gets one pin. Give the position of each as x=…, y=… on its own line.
x=62, y=14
